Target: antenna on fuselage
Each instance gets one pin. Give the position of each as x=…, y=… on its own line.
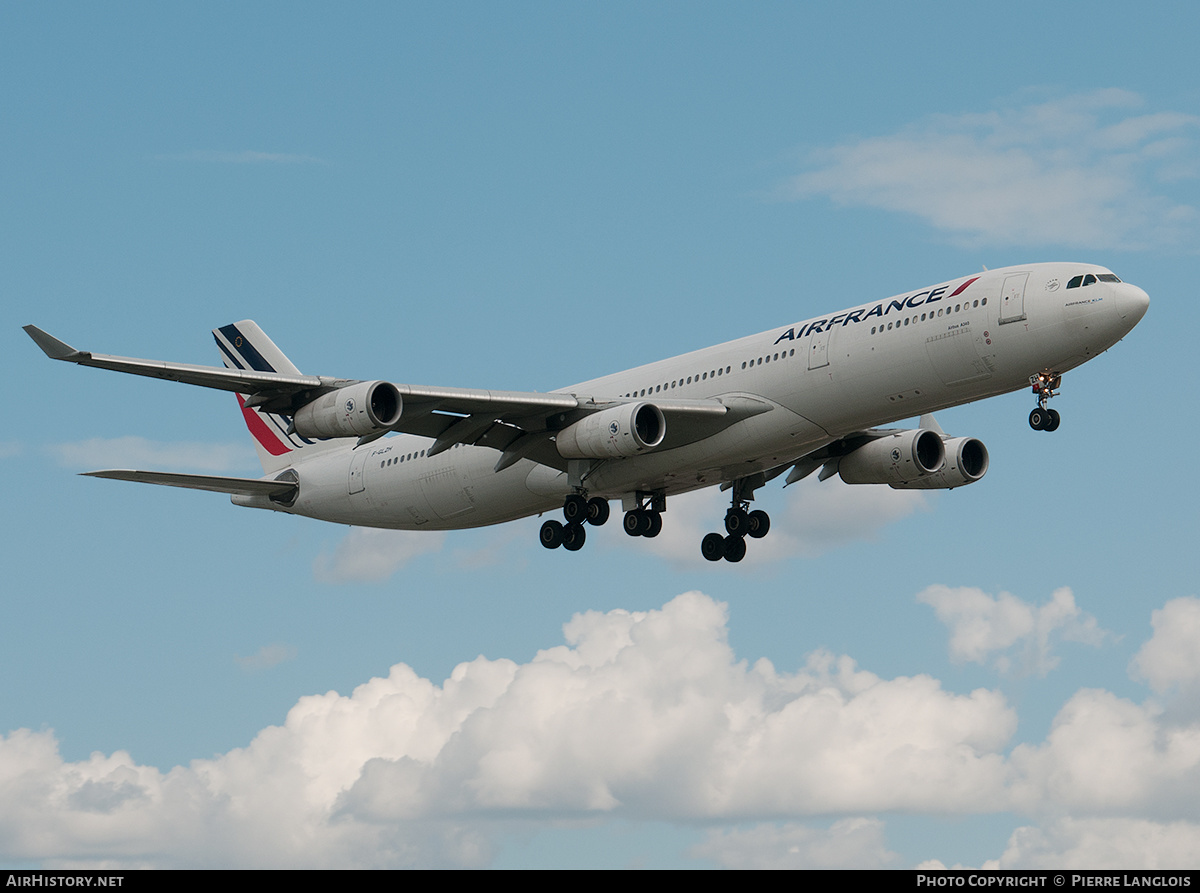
x=985, y=269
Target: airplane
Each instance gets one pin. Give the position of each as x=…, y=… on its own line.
x=790, y=400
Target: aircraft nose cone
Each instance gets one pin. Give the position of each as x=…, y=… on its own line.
x=1132, y=303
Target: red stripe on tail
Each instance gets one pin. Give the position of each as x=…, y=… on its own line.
x=263, y=434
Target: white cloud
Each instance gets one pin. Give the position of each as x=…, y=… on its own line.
x=649, y=714
x=367, y=554
x=139, y=453
x=849, y=843
x=1106, y=755
x=1172, y=656
x=1084, y=170
x=817, y=517
x=1103, y=844
x=981, y=625
x=8, y=449
x=640, y=715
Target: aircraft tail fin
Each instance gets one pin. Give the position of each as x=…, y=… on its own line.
x=243, y=345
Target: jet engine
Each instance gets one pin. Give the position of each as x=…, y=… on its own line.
x=364, y=408
x=616, y=433
x=896, y=459
x=966, y=462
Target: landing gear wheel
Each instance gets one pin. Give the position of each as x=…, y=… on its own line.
x=636, y=523
x=574, y=536
x=734, y=548
x=551, y=534
x=737, y=522
x=712, y=547
x=575, y=509
x=597, y=511
x=760, y=524
x=655, y=526
x=1045, y=385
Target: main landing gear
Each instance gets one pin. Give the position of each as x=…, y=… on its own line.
x=739, y=523
x=1045, y=385
x=577, y=509
x=646, y=519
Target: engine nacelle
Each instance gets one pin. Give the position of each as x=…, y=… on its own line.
x=966, y=462
x=895, y=459
x=615, y=433
x=364, y=408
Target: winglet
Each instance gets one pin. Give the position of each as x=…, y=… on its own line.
x=52, y=347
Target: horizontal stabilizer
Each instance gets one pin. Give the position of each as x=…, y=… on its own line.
x=213, y=483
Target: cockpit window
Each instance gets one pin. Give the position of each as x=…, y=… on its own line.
x=1077, y=281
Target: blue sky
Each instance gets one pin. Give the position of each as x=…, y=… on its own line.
x=525, y=196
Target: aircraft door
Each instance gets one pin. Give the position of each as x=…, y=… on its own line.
x=1012, y=300
x=818, y=348
x=358, y=464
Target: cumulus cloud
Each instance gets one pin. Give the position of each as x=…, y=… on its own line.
x=817, y=517
x=660, y=721
x=1020, y=633
x=1172, y=656
x=140, y=453
x=639, y=715
x=1103, y=844
x=1107, y=755
x=1089, y=170
x=368, y=555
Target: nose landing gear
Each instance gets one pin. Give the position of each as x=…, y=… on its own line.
x=1045, y=385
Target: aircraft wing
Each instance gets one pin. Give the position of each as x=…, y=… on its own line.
x=276, y=392
x=241, y=381
x=280, y=489
x=519, y=424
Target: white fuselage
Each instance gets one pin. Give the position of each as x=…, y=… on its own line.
x=824, y=378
